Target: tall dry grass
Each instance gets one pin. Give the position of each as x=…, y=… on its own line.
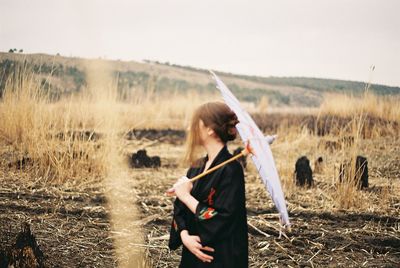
x=330, y=194
x=52, y=134
x=76, y=140
x=347, y=194
x=161, y=112
x=102, y=98
x=37, y=131
x=382, y=107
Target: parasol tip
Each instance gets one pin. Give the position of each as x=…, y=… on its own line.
x=248, y=149
x=213, y=76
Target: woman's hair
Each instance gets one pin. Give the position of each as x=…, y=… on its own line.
x=215, y=115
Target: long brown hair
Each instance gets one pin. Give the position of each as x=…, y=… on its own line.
x=215, y=115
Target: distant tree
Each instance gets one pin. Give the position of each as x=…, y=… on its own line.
x=21, y=50
x=11, y=50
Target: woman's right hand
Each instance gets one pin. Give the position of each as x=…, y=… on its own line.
x=193, y=244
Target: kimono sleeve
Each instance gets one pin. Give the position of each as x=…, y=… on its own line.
x=178, y=224
x=213, y=220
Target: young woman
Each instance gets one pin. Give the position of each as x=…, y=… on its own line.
x=210, y=215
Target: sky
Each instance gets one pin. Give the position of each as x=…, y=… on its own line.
x=338, y=39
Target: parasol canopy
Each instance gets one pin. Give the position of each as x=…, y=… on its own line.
x=260, y=151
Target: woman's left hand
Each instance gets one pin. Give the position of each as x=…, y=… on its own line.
x=182, y=187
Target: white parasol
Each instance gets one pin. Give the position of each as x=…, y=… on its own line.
x=260, y=150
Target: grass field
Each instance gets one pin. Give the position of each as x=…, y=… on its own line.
x=64, y=169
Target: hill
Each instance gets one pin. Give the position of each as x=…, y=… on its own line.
x=65, y=75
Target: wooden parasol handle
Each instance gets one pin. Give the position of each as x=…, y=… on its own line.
x=244, y=152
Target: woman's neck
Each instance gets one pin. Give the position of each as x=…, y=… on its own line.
x=213, y=147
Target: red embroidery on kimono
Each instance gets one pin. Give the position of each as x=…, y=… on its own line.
x=207, y=213
x=174, y=225
x=210, y=200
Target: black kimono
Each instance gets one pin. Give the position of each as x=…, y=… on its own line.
x=220, y=220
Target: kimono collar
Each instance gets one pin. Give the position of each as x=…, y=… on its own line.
x=222, y=155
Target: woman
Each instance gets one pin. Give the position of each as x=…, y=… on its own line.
x=210, y=215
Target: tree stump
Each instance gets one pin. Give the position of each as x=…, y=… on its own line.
x=25, y=253
x=319, y=165
x=362, y=171
x=303, y=172
x=140, y=159
x=357, y=172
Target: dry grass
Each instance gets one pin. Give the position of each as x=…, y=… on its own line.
x=332, y=194
x=382, y=107
x=328, y=194
x=38, y=132
x=52, y=134
x=75, y=140
x=347, y=193
x=162, y=112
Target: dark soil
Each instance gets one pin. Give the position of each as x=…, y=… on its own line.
x=70, y=225
x=317, y=239
x=161, y=135
x=72, y=228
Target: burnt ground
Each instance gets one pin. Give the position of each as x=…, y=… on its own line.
x=321, y=236
x=73, y=230
x=72, y=225
x=317, y=239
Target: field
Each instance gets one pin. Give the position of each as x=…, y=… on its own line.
x=65, y=169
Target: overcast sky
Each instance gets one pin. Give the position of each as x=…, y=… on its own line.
x=325, y=38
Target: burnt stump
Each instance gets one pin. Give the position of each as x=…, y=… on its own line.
x=140, y=159
x=25, y=253
x=318, y=165
x=303, y=172
x=360, y=173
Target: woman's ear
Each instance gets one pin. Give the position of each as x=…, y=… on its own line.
x=210, y=132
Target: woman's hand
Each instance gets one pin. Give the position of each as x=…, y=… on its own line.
x=182, y=187
x=193, y=244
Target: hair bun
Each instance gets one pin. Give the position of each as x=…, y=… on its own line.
x=231, y=133
x=230, y=128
